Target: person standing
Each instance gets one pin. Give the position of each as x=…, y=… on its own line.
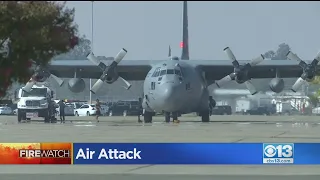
x=61, y=110
x=98, y=109
x=140, y=110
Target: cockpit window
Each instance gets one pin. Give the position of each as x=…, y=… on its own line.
x=163, y=72
x=170, y=71
x=156, y=72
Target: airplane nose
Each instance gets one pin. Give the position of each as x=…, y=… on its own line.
x=169, y=93
x=171, y=98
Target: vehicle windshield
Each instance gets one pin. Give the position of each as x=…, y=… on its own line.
x=78, y=105
x=35, y=92
x=93, y=105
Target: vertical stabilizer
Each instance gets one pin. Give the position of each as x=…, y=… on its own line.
x=169, y=53
x=185, y=35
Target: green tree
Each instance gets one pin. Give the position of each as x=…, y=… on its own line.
x=79, y=52
x=280, y=53
x=314, y=99
x=32, y=31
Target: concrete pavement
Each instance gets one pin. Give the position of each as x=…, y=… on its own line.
x=126, y=129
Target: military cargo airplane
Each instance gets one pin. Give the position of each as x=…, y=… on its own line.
x=175, y=86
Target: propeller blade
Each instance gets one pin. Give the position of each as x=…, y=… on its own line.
x=251, y=87
x=257, y=60
x=28, y=86
x=93, y=59
x=317, y=57
x=229, y=53
x=225, y=80
x=293, y=56
x=297, y=84
x=120, y=55
x=128, y=85
x=96, y=86
x=58, y=80
x=231, y=56
x=96, y=61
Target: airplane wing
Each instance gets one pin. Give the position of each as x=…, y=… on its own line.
x=217, y=69
x=244, y=71
x=127, y=69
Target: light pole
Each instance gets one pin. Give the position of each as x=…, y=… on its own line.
x=91, y=46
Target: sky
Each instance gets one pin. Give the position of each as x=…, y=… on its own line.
x=146, y=29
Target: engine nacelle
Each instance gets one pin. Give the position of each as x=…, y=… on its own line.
x=76, y=85
x=276, y=85
x=242, y=75
x=112, y=76
x=239, y=80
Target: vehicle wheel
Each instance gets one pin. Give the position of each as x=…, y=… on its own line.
x=167, y=117
x=76, y=113
x=88, y=113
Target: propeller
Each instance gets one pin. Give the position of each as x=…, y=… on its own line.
x=309, y=70
x=240, y=74
x=108, y=71
x=40, y=75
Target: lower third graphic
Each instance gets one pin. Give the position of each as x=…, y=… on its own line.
x=278, y=153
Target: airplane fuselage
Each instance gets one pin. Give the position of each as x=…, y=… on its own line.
x=175, y=86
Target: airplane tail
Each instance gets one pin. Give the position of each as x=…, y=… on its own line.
x=185, y=35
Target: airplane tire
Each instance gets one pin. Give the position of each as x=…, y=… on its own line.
x=175, y=116
x=167, y=117
x=147, y=117
x=205, y=116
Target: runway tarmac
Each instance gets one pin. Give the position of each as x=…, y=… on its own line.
x=126, y=129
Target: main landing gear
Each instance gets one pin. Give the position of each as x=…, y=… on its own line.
x=174, y=117
x=205, y=116
x=147, y=116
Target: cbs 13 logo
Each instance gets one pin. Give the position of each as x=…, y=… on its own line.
x=278, y=150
